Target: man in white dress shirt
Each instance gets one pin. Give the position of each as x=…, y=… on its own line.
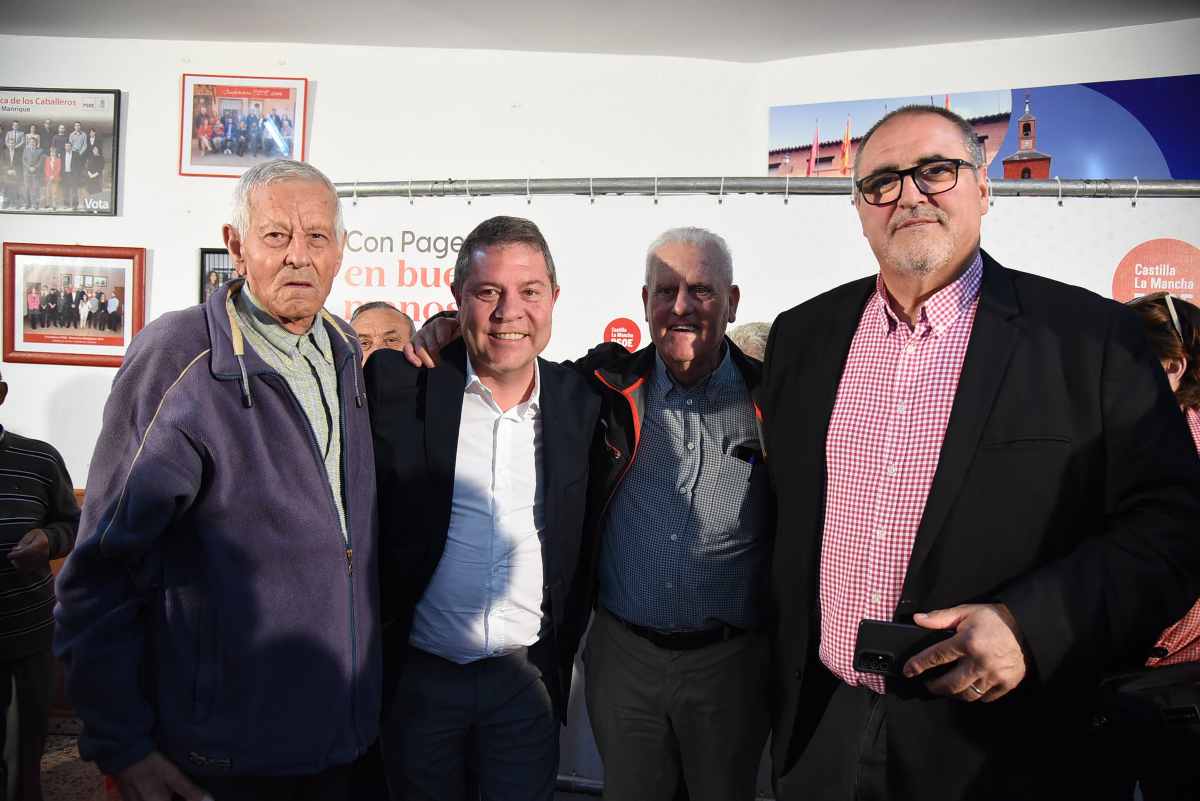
x=482, y=466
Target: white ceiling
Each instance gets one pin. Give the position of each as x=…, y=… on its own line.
x=729, y=30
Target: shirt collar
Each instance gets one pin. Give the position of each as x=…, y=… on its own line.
x=278, y=337
x=942, y=308
x=724, y=375
x=525, y=409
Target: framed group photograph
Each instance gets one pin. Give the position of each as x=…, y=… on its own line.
x=229, y=123
x=72, y=304
x=59, y=150
x=216, y=267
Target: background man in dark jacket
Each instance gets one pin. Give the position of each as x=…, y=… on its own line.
x=219, y=616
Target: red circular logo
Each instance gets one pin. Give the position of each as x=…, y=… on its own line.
x=624, y=332
x=1159, y=265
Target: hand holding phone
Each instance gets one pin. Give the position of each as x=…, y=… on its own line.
x=884, y=647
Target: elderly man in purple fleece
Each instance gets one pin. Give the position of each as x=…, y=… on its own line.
x=219, y=617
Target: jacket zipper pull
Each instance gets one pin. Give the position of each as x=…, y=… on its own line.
x=349, y=561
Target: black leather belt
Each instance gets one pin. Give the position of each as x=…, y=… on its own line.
x=682, y=640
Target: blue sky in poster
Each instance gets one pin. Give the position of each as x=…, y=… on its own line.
x=1117, y=129
x=792, y=126
x=1086, y=134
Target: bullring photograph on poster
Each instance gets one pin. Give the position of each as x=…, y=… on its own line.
x=72, y=304
x=59, y=150
x=230, y=123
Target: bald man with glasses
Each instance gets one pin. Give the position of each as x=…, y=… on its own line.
x=963, y=448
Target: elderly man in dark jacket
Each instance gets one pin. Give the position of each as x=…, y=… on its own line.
x=219, y=615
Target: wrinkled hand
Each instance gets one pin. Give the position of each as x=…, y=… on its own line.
x=429, y=341
x=156, y=779
x=32, y=553
x=985, y=649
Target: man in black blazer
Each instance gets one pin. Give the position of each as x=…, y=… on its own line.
x=482, y=475
x=966, y=447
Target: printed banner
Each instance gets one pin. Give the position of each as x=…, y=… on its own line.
x=783, y=254
x=1114, y=129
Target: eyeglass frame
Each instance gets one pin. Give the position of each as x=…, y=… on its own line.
x=911, y=173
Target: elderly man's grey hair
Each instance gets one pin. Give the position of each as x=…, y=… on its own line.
x=751, y=338
x=970, y=138
x=274, y=171
x=713, y=246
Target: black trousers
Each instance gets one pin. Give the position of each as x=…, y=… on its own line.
x=334, y=784
x=483, y=731
x=33, y=676
x=846, y=758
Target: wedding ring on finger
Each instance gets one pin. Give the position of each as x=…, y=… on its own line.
x=974, y=689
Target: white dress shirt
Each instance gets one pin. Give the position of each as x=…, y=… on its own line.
x=485, y=598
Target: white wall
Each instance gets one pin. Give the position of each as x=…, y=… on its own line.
x=377, y=113
x=1143, y=51
x=380, y=113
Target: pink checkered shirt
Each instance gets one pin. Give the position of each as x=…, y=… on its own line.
x=1182, y=640
x=885, y=437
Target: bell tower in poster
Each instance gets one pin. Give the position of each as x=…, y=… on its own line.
x=1028, y=162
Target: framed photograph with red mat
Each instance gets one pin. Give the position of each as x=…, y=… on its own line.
x=229, y=123
x=72, y=304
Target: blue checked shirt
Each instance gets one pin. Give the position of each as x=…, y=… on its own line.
x=685, y=542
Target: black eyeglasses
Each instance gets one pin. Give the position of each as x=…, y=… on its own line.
x=930, y=177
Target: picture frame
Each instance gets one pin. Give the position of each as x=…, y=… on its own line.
x=43, y=323
x=85, y=122
x=228, y=123
x=216, y=267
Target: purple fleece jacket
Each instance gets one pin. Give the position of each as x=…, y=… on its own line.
x=211, y=609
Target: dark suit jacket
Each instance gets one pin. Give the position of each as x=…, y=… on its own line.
x=1067, y=488
x=415, y=416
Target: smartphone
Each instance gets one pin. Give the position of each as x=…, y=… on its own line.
x=884, y=647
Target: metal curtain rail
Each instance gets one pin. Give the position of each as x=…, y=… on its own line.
x=655, y=187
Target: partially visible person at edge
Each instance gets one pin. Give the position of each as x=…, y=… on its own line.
x=1161, y=759
x=38, y=520
x=218, y=618
x=1173, y=328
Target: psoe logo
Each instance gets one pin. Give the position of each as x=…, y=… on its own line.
x=624, y=332
x=95, y=204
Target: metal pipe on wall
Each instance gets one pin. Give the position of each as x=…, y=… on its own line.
x=654, y=187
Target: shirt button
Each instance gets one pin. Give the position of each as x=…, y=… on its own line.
x=876, y=597
x=691, y=446
x=683, y=490
x=909, y=349
x=890, y=470
x=902, y=407
x=689, y=401
x=674, y=537
x=880, y=533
